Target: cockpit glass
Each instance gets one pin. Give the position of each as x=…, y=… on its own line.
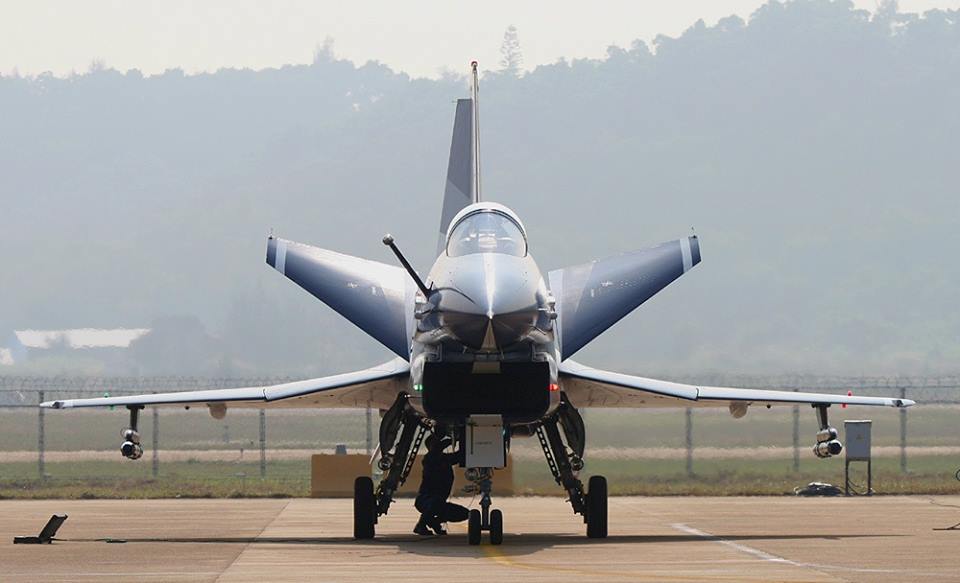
x=486, y=232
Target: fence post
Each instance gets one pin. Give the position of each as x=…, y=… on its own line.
x=903, y=433
x=155, y=447
x=689, y=428
x=796, y=437
x=369, y=430
x=41, y=437
x=263, y=443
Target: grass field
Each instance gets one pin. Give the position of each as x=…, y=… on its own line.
x=323, y=429
x=290, y=478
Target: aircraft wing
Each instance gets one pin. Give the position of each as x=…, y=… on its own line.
x=376, y=297
x=376, y=387
x=590, y=387
x=594, y=296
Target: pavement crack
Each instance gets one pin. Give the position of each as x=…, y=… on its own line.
x=252, y=541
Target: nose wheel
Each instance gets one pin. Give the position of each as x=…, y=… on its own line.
x=485, y=519
x=475, y=527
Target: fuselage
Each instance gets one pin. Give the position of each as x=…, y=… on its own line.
x=486, y=332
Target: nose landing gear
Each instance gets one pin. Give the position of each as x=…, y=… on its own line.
x=485, y=519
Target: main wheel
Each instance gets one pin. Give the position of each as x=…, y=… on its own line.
x=597, y=507
x=496, y=527
x=364, y=508
x=473, y=527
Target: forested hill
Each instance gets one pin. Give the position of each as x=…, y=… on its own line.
x=814, y=148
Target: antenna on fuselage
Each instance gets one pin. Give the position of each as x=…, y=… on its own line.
x=475, y=96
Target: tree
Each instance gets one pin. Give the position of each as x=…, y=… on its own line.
x=510, y=49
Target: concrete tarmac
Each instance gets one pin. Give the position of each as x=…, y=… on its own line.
x=651, y=539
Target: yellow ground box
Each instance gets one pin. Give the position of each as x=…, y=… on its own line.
x=332, y=476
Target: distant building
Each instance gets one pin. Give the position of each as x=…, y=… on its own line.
x=105, y=344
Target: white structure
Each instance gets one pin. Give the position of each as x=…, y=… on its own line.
x=79, y=338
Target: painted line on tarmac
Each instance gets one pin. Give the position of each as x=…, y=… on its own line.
x=774, y=558
x=742, y=548
x=494, y=553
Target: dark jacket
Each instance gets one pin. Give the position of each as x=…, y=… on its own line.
x=438, y=473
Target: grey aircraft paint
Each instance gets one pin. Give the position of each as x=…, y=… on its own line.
x=594, y=296
x=459, y=190
x=372, y=295
x=484, y=309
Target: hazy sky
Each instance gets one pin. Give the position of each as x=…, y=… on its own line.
x=420, y=38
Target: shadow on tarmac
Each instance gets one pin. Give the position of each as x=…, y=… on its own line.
x=456, y=544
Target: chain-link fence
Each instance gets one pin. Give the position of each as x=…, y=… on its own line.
x=259, y=443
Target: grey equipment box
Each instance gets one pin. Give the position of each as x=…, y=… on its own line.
x=857, y=438
x=486, y=443
x=856, y=434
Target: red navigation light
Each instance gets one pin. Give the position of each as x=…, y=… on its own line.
x=554, y=387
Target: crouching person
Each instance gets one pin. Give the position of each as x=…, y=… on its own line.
x=435, y=488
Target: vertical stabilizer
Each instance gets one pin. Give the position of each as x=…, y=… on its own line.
x=463, y=169
x=475, y=96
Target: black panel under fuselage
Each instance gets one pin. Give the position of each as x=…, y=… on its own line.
x=519, y=392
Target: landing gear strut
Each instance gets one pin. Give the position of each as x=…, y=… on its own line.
x=565, y=462
x=485, y=519
x=370, y=504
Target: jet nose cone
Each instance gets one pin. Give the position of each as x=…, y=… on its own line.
x=493, y=302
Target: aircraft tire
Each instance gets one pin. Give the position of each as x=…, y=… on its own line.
x=496, y=527
x=597, y=507
x=473, y=527
x=364, y=509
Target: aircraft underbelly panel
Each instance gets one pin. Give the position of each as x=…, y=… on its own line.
x=519, y=392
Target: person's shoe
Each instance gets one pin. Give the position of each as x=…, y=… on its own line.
x=437, y=527
x=421, y=528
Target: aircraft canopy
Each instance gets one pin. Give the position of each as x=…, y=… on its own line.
x=487, y=231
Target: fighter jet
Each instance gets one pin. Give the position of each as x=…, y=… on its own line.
x=483, y=350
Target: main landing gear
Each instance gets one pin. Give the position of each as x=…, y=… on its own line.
x=370, y=504
x=566, y=460
x=484, y=519
x=563, y=452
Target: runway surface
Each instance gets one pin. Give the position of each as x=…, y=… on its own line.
x=651, y=539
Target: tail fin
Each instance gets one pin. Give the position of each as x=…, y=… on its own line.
x=459, y=190
x=463, y=169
